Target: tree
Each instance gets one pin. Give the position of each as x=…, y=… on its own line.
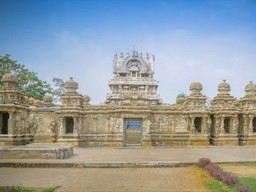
x=29, y=83
x=182, y=95
x=60, y=90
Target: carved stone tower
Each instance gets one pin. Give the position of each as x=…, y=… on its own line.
x=133, y=83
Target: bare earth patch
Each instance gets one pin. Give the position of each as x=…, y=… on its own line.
x=199, y=179
x=186, y=179
x=241, y=170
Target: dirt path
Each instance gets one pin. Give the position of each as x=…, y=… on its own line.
x=124, y=179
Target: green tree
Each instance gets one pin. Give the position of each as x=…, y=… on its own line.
x=182, y=95
x=29, y=83
x=59, y=83
x=60, y=89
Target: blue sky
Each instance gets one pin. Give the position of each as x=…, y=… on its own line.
x=192, y=40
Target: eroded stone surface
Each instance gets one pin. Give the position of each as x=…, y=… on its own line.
x=37, y=151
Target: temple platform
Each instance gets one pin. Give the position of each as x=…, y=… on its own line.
x=37, y=151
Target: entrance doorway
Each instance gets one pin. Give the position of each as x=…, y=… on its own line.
x=69, y=124
x=133, y=132
x=227, y=125
x=197, y=123
x=4, y=123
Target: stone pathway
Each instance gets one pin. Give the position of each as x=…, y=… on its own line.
x=104, y=157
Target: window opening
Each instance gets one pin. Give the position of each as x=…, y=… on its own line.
x=135, y=124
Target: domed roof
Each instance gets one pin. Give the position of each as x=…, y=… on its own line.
x=224, y=86
x=71, y=84
x=9, y=77
x=195, y=86
x=86, y=98
x=48, y=98
x=250, y=87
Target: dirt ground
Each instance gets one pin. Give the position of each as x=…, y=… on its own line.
x=240, y=170
x=105, y=180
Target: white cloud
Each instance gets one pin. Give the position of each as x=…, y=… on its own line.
x=181, y=58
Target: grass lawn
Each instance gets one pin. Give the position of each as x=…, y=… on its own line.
x=246, y=177
x=249, y=181
x=217, y=186
x=24, y=189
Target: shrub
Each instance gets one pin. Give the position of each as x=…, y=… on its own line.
x=223, y=176
x=203, y=162
x=219, y=174
x=243, y=188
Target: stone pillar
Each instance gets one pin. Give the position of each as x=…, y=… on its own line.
x=186, y=122
x=245, y=125
x=208, y=125
x=11, y=123
x=222, y=124
x=217, y=125
x=250, y=128
x=61, y=127
x=77, y=125
x=192, y=125
x=204, y=125
x=234, y=124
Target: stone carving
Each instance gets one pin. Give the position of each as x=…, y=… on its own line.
x=48, y=100
x=181, y=125
x=31, y=124
x=54, y=126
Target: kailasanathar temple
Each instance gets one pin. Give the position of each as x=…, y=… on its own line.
x=133, y=113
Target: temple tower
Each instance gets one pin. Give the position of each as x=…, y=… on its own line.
x=247, y=129
x=224, y=117
x=133, y=83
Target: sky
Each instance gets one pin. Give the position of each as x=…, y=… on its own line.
x=203, y=41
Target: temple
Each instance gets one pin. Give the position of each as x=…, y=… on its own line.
x=133, y=114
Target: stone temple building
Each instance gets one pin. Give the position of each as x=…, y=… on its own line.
x=133, y=113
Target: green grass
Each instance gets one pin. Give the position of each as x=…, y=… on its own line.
x=253, y=163
x=49, y=190
x=216, y=186
x=249, y=181
x=24, y=189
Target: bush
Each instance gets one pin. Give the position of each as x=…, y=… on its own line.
x=221, y=175
x=203, y=162
x=243, y=188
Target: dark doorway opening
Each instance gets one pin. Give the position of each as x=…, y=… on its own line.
x=5, y=117
x=227, y=125
x=254, y=125
x=197, y=124
x=69, y=123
